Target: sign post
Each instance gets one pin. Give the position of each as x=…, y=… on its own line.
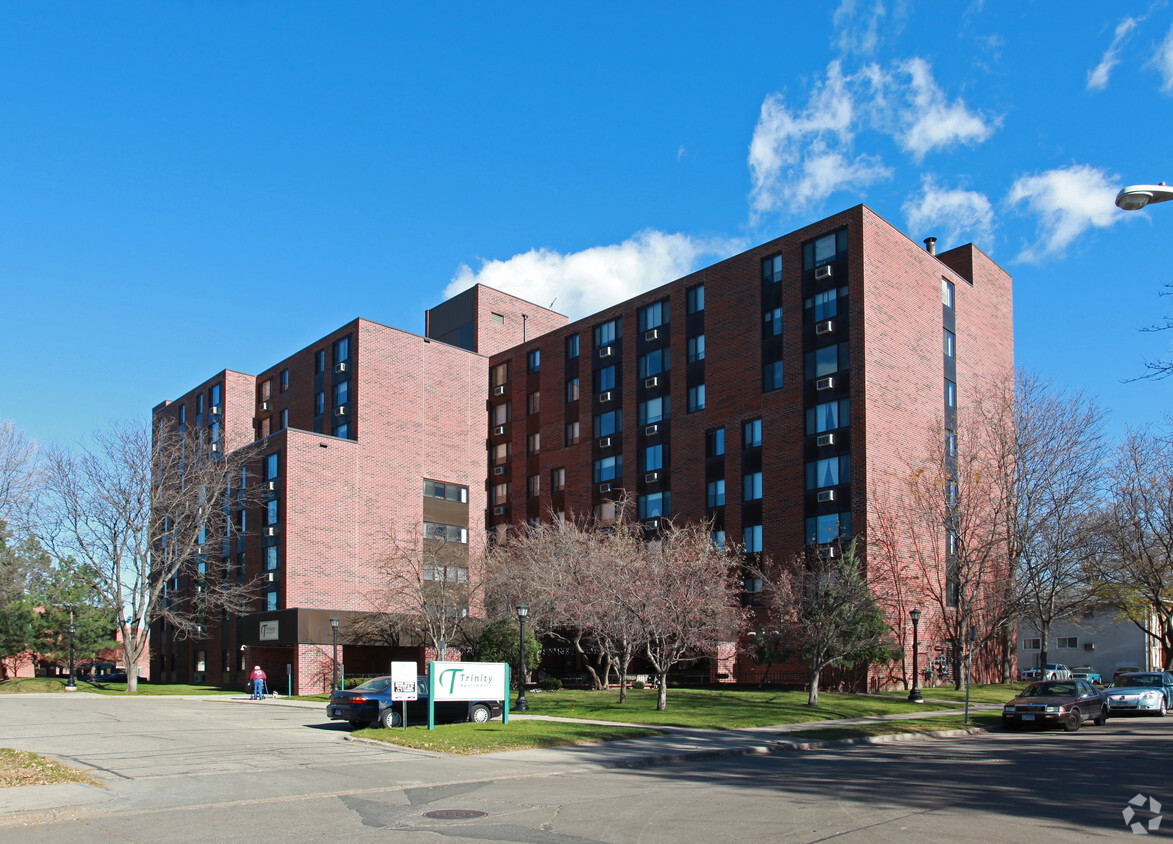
x=404, y=685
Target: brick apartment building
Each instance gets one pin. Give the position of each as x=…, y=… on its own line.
x=774, y=392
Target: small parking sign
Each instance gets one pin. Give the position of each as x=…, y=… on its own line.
x=404, y=681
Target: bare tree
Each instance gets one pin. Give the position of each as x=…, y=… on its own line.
x=18, y=472
x=144, y=510
x=1132, y=564
x=826, y=613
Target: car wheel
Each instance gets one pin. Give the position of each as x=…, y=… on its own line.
x=1073, y=721
x=390, y=718
x=358, y=725
x=480, y=714
x=1103, y=719
x=1164, y=710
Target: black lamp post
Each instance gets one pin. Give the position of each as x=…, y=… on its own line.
x=72, y=684
x=914, y=696
x=334, y=622
x=522, y=703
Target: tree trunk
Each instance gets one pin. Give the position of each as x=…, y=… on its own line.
x=662, y=685
x=130, y=654
x=586, y=661
x=812, y=698
x=624, y=661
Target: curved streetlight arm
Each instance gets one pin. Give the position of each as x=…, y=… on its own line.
x=1135, y=197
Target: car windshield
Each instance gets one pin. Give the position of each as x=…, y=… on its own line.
x=1050, y=690
x=1146, y=681
x=376, y=685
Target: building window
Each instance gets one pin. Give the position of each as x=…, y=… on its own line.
x=604, y=511
x=824, y=250
x=652, y=458
x=696, y=348
x=771, y=376
x=572, y=346
x=497, y=318
x=284, y=418
x=823, y=305
x=557, y=480
x=533, y=402
x=753, y=585
x=827, y=360
x=751, y=434
x=608, y=332
x=284, y=380
x=605, y=379
x=696, y=299
x=823, y=529
x=1068, y=642
x=772, y=269
x=341, y=393
x=572, y=433
x=608, y=423
x=499, y=375
x=271, y=600
x=500, y=493
x=751, y=486
x=271, y=552
x=654, y=504
x=653, y=315
x=572, y=390
x=533, y=360
x=501, y=413
x=271, y=466
x=446, y=533
x=501, y=452
x=533, y=486
x=342, y=431
x=608, y=468
x=271, y=511
x=446, y=491
x=267, y=389
x=828, y=416
x=715, y=442
x=715, y=493
x=320, y=403
x=950, y=394
x=947, y=293
x=772, y=322
x=751, y=538
x=950, y=444
x=950, y=344
x=718, y=538
x=830, y=471
x=533, y=443
x=696, y=398
x=653, y=363
x=654, y=410
x=320, y=360
x=1032, y=644
x=341, y=349
x=446, y=574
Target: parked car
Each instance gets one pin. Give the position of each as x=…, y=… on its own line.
x=1055, y=671
x=371, y=703
x=1049, y=703
x=1125, y=669
x=1148, y=692
x=1086, y=673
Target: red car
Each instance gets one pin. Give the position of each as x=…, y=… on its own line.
x=1050, y=703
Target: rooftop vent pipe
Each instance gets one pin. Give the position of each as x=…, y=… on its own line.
x=931, y=245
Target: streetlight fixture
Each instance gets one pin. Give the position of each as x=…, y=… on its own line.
x=914, y=696
x=334, y=622
x=1136, y=197
x=522, y=703
x=72, y=684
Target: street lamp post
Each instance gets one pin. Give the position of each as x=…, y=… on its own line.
x=522, y=703
x=914, y=696
x=1136, y=197
x=72, y=684
x=334, y=622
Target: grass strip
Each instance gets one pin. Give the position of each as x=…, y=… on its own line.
x=41, y=685
x=19, y=767
x=471, y=739
x=993, y=693
x=887, y=728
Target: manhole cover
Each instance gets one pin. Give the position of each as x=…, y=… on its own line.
x=454, y=814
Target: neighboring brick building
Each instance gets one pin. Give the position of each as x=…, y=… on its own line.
x=775, y=391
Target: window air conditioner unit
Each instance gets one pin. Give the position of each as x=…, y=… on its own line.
x=827, y=551
x=340, y=367
x=498, y=511
x=215, y=410
x=824, y=327
x=269, y=531
x=826, y=495
x=605, y=396
x=651, y=477
x=498, y=470
x=499, y=430
x=824, y=271
x=266, y=406
x=499, y=391
x=654, y=381
x=825, y=439
x=604, y=442
x=270, y=577
x=652, y=334
x=651, y=430
x=827, y=383
x=340, y=410
x=604, y=487
x=215, y=448
x=270, y=486
x=606, y=352
x=652, y=524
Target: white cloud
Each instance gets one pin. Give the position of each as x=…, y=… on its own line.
x=581, y=283
x=1066, y=202
x=930, y=122
x=952, y=215
x=1097, y=77
x=1163, y=62
x=857, y=31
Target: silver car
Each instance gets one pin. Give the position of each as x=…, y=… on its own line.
x=1148, y=692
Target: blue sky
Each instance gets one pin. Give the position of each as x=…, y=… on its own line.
x=189, y=186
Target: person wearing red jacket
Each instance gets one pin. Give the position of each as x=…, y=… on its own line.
x=258, y=680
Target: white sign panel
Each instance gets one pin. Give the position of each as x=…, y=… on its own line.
x=404, y=681
x=268, y=631
x=469, y=680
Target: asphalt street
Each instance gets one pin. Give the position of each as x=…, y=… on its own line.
x=200, y=770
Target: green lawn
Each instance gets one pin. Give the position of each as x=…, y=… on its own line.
x=469, y=739
x=714, y=708
x=993, y=693
x=917, y=725
x=29, y=685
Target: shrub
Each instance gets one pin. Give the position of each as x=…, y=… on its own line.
x=549, y=684
x=638, y=684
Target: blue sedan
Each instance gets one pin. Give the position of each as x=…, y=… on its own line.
x=1141, y=692
x=371, y=703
